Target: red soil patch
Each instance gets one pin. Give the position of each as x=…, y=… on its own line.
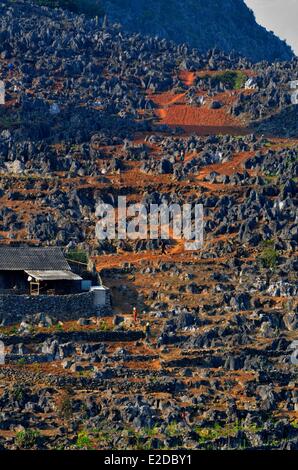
x=201, y=120
x=182, y=115
x=174, y=112
x=187, y=78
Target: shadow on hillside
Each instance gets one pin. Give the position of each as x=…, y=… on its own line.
x=283, y=124
x=213, y=130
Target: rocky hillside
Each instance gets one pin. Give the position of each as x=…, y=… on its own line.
x=204, y=24
x=94, y=113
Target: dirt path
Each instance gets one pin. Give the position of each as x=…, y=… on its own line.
x=227, y=168
x=114, y=261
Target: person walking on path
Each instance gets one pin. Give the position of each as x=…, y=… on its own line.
x=135, y=314
x=147, y=331
x=163, y=248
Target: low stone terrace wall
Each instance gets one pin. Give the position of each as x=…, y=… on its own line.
x=62, y=307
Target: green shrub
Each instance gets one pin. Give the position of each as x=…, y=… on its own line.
x=78, y=256
x=269, y=256
x=18, y=392
x=84, y=441
x=232, y=79
x=22, y=361
x=151, y=432
x=103, y=326
x=173, y=429
x=27, y=439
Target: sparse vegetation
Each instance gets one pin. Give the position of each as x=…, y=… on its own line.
x=233, y=80
x=223, y=431
x=104, y=326
x=21, y=361
x=78, y=256
x=173, y=429
x=18, y=392
x=151, y=432
x=268, y=256
x=27, y=439
x=294, y=424
x=59, y=327
x=84, y=441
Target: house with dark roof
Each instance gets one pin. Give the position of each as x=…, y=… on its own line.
x=36, y=270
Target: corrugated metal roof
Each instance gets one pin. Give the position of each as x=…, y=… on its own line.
x=32, y=258
x=54, y=275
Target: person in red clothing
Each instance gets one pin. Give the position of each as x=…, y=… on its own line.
x=135, y=315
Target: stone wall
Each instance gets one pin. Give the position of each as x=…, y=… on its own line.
x=75, y=337
x=13, y=308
